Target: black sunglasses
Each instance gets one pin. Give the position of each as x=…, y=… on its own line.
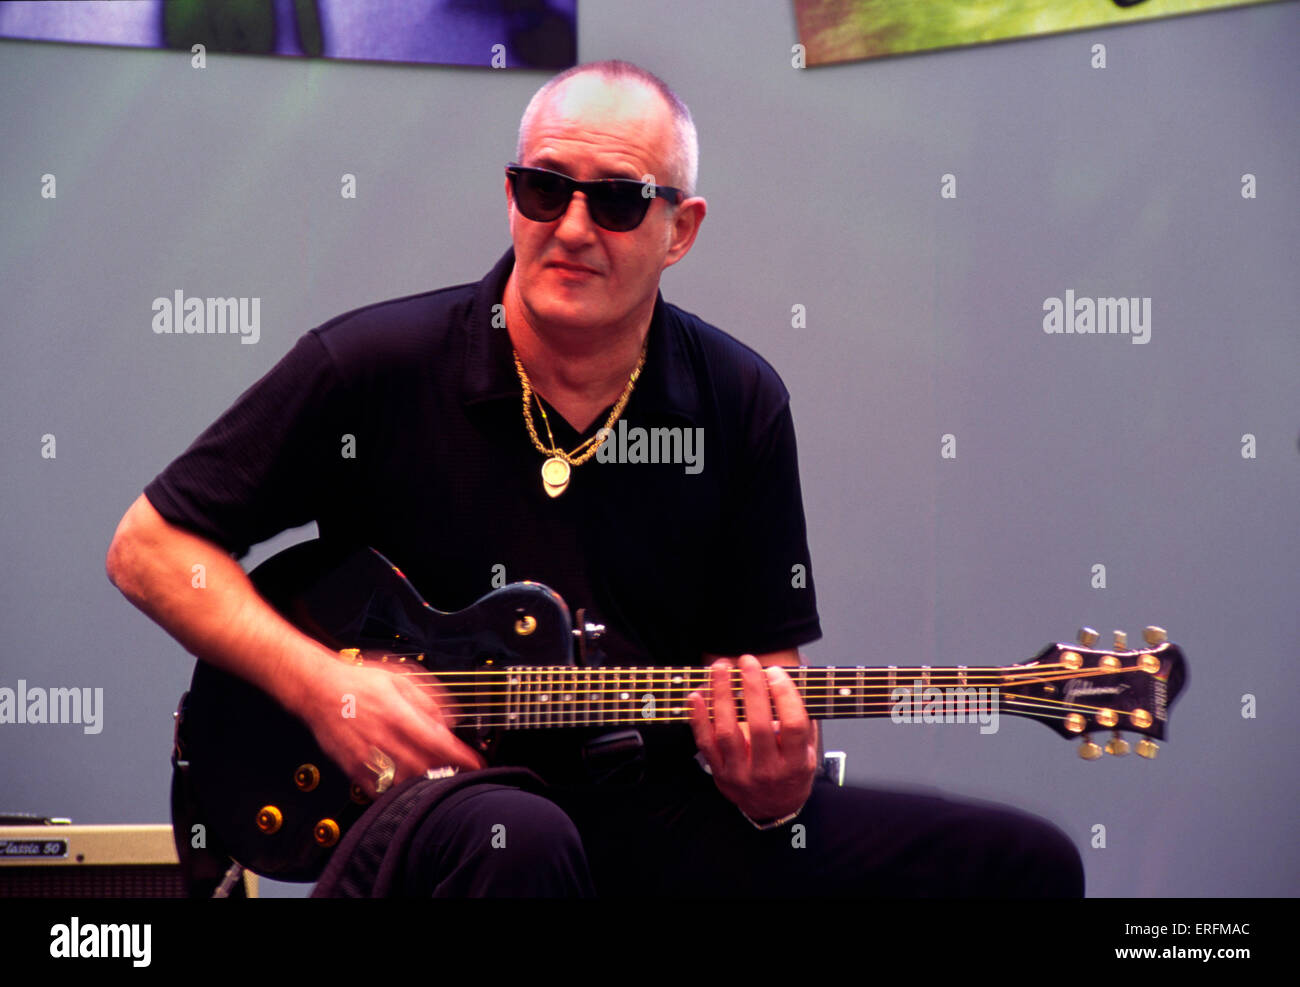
x=616, y=204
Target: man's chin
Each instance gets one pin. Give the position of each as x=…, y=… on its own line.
x=574, y=315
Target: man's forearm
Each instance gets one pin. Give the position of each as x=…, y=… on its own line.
x=222, y=620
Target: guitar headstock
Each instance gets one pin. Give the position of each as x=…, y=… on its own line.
x=1079, y=689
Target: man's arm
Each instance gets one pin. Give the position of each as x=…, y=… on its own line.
x=228, y=624
x=765, y=767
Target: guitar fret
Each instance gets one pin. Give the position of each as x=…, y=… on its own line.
x=639, y=692
x=586, y=695
x=611, y=701
x=540, y=710
x=546, y=696
x=543, y=698
x=534, y=712
x=559, y=714
x=531, y=698
x=579, y=707
x=608, y=678
x=510, y=698
x=525, y=698
x=571, y=696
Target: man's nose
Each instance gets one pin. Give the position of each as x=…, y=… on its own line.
x=576, y=224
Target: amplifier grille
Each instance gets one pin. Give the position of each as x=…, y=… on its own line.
x=108, y=881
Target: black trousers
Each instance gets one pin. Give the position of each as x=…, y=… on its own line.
x=674, y=834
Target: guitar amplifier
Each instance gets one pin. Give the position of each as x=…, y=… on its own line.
x=66, y=861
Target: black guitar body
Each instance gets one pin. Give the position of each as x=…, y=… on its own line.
x=266, y=793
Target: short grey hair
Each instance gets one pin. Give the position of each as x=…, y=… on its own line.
x=684, y=156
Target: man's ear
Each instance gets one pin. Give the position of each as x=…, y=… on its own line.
x=685, y=226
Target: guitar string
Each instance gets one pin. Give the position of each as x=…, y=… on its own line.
x=528, y=676
x=533, y=693
x=525, y=699
x=828, y=675
x=556, y=710
x=671, y=716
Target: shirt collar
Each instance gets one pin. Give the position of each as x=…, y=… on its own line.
x=667, y=384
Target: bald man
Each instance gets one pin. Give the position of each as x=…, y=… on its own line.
x=485, y=419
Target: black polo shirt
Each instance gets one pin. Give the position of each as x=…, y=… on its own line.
x=400, y=426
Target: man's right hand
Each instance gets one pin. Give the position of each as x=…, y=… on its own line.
x=354, y=710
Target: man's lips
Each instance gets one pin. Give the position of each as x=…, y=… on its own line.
x=575, y=268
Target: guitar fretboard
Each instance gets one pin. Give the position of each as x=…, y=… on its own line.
x=528, y=698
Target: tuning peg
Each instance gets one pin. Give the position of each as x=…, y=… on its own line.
x=1117, y=745
x=1088, y=750
x=1121, y=641
x=1155, y=636
x=1146, y=748
x=1087, y=636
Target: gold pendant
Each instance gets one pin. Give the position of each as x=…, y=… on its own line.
x=555, y=476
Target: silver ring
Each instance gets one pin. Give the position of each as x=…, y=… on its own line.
x=384, y=768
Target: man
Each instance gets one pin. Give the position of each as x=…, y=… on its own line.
x=452, y=476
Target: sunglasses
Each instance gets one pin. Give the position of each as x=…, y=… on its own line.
x=615, y=204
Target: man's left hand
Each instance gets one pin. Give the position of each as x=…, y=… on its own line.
x=768, y=769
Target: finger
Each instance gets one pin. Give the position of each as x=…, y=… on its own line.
x=427, y=695
x=702, y=727
x=796, y=727
x=424, y=734
x=758, y=708
x=463, y=756
x=727, y=736
x=444, y=750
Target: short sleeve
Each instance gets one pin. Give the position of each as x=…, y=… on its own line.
x=765, y=599
x=267, y=463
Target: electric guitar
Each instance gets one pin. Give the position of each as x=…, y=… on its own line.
x=278, y=805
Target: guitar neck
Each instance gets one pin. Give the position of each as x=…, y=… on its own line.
x=541, y=697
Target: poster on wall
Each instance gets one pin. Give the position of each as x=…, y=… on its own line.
x=851, y=30
x=521, y=34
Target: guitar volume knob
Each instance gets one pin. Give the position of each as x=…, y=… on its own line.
x=326, y=832
x=307, y=777
x=270, y=819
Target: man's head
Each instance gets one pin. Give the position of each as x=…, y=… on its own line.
x=604, y=120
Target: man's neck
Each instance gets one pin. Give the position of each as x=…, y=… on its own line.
x=580, y=374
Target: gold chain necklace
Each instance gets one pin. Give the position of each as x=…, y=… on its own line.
x=556, y=470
